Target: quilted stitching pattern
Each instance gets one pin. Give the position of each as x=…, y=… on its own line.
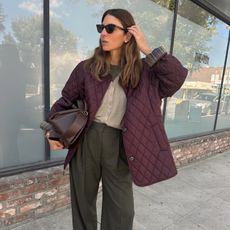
x=145, y=141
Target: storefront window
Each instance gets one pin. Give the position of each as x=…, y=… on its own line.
x=224, y=108
x=200, y=44
x=21, y=96
x=73, y=33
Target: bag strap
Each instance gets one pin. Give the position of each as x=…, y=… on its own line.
x=81, y=104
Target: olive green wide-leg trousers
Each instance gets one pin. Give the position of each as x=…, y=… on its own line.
x=101, y=156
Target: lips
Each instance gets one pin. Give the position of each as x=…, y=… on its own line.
x=103, y=42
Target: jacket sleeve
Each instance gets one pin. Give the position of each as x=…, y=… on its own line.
x=167, y=70
x=73, y=90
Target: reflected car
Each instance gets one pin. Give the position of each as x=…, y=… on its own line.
x=207, y=102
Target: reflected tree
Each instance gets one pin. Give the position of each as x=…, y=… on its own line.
x=194, y=33
x=194, y=13
x=169, y=4
x=29, y=36
x=2, y=19
x=63, y=53
x=62, y=40
x=8, y=39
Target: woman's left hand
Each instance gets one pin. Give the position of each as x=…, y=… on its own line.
x=140, y=39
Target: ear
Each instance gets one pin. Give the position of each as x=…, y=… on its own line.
x=128, y=37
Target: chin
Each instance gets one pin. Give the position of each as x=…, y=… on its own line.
x=105, y=48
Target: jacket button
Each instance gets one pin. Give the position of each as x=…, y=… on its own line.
x=124, y=129
x=131, y=158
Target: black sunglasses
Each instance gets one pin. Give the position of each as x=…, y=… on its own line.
x=109, y=28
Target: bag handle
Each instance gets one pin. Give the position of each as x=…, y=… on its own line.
x=81, y=104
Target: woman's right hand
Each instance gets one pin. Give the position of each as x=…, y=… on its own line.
x=140, y=39
x=55, y=145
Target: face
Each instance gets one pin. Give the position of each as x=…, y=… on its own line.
x=112, y=41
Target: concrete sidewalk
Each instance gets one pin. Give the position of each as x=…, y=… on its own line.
x=198, y=198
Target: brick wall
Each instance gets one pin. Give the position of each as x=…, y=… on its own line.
x=31, y=195
x=35, y=194
x=199, y=148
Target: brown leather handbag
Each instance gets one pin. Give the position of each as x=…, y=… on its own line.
x=66, y=126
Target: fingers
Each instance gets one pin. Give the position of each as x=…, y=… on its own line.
x=134, y=29
x=137, y=33
x=55, y=145
x=140, y=39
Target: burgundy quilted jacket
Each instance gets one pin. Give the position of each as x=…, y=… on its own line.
x=146, y=145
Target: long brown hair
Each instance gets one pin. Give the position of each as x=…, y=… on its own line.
x=130, y=61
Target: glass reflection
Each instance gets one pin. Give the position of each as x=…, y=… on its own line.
x=224, y=109
x=21, y=106
x=200, y=43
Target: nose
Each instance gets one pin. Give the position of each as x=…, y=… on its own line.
x=103, y=32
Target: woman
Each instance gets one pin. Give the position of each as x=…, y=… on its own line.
x=124, y=139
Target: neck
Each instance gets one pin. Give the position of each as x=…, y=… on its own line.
x=115, y=58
